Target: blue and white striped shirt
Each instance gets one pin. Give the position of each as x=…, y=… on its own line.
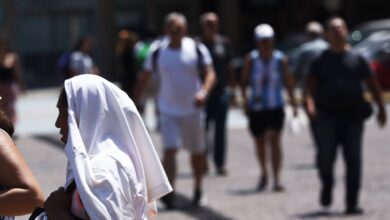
x=266, y=80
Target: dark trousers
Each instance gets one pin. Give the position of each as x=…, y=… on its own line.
x=333, y=132
x=216, y=112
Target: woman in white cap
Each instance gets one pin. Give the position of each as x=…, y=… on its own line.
x=266, y=72
x=113, y=169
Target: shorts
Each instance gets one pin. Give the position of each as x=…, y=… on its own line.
x=260, y=121
x=183, y=131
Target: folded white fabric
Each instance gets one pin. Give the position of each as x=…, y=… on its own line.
x=110, y=154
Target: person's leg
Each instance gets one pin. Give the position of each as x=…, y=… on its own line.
x=169, y=134
x=169, y=164
x=257, y=122
x=327, y=131
x=193, y=134
x=197, y=162
x=208, y=121
x=261, y=154
x=352, y=151
x=277, y=156
x=220, y=138
x=276, y=121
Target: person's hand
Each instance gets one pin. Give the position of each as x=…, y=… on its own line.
x=56, y=205
x=381, y=117
x=200, y=98
x=311, y=112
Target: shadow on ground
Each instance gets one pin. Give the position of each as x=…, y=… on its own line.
x=201, y=212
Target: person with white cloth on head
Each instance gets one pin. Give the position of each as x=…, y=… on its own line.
x=113, y=169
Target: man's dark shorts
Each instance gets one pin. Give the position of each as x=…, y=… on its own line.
x=260, y=121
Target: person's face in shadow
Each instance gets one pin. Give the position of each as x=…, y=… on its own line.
x=88, y=46
x=337, y=32
x=265, y=47
x=176, y=30
x=62, y=119
x=210, y=26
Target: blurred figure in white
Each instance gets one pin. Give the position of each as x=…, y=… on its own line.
x=180, y=63
x=81, y=61
x=314, y=45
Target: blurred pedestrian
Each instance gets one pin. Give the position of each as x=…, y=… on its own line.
x=19, y=190
x=266, y=71
x=11, y=81
x=179, y=63
x=220, y=96
x=81, y=61
x=113, y=169
x=142, y=49
x=127, y=61
x=335, y=99
x=307, y=52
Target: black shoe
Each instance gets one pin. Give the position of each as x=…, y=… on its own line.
x=263, y=183
x=354, y=211
x=221, y=171
x=197, y=197
x=278, y=188
x=326, y=196
x=169, y=201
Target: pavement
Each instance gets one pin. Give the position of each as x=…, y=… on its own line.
x=233, y=196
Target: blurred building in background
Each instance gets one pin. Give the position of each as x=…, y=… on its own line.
x=40, y=30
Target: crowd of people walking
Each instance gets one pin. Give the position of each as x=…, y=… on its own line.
x=113, y=169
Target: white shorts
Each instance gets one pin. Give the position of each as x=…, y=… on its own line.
x=183, y=131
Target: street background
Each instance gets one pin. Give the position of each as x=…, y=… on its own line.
x=40, y=31
x=234, y=196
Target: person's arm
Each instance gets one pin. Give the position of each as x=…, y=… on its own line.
x=19, y=73
x=308, y=98
x=21, y=192
x=244, y=82
x=289, y=84
x=373, y=86
x=231, y=75
x=209, y=81
x=232, y=83
x=57, y=205
x=142, y=82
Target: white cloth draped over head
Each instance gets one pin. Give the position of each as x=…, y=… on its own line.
x=110, y=154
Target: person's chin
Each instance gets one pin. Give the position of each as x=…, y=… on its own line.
x=63, y=140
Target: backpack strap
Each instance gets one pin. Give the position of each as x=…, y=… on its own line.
x=155, y=56
x=200, y=61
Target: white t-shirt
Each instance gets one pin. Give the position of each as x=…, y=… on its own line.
x=81, y=63
x=178, y=75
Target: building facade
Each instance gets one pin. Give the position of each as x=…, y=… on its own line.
x=40, y=30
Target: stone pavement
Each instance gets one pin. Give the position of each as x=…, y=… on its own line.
x=234, y=196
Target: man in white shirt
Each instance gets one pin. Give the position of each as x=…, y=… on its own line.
x=180, y=63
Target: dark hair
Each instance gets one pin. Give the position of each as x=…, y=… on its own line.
x=6, y=124
x=331, y=19
x=63, y=101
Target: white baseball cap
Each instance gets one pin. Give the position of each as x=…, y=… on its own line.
x=263, y=31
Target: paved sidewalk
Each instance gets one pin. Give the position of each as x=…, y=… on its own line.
x=234, y=196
